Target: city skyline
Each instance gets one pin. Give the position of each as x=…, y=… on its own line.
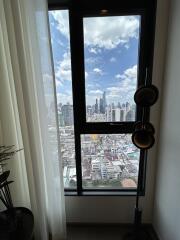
x=111, y=57
x=100, y=111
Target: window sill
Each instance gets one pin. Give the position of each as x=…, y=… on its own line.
x=103, y=193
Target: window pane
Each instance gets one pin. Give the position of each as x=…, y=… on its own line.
x=59, y=27
x=111, y=59
x=109, y=161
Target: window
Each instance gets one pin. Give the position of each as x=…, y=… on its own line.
x=100, y=58
x=111, y=62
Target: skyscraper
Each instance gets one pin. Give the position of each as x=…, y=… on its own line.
x=113, y=115
x=104, y=101
x=67, y=112
x=96, y=106
x=130, y=115
x=101, y=105
x=122, y=115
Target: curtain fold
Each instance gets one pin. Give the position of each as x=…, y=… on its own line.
x=30, y=62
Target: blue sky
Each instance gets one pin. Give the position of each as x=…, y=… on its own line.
x=111, y=53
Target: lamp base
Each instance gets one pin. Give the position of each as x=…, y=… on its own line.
x=141, y=234
x=138, y=232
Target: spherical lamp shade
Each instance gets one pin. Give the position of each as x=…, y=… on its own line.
x=143, y=139
x=143, y=136
x=146, y=96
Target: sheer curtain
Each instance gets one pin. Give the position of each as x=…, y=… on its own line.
x=27, y=66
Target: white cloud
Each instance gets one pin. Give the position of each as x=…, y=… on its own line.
x=118, y=76
x=102, y=32
x=95, y=92
x=63, y=71
x=86, y=74
x=64, y=98
x=92, y=95
x=93, y=50
x=109, y=32
x=98, y=71
x=63, y=23
x=93, y=60
x=93, y=85
x=113, y=59
x=127, y=46
x=125, y=88
x=131, y=72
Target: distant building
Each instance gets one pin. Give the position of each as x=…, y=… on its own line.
x=108, y=114
x=96, y=106
x=119, y=105
x=101, y=106
x=116, y=115
x=127, y=106
x=113, y=115
x=104, y=101
x=67, y=113
x=61, y=119
x=122, y=115
x=130, y=115
x=89, y=110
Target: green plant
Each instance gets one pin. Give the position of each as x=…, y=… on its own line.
x=6, y=153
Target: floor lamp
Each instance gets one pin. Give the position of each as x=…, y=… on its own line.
x=143, y=138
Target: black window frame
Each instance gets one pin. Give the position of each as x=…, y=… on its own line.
x=77, y=10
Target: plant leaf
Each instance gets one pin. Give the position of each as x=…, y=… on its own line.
x=5, y=184
x=4, y=176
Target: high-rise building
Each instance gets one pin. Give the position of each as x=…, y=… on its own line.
x=112, y=105
x=122, y=115
x=116, y=115
x=61, y=119
x=108, y=114
x=119, y=105
x=104, y=101
x=67, y=112
x=127, y=107
x=89, y=110
x=96, y=106
x=113, y=115
x=101, y=105
x=130, y=115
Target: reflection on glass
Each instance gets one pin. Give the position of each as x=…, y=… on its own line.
x=109, y=161
x=111, y=60
x=59, y=27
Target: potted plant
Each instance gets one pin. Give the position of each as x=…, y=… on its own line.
x=15, y=222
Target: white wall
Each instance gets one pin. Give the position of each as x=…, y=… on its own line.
x=167, y=200
x=120, y=209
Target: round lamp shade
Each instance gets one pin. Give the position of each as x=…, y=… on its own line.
x=146, y=96
x=143, y=136
x=143, y=139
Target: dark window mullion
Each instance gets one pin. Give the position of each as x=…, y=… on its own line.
x=108, y=128
x=76, y=42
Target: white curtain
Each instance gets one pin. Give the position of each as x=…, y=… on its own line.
x=26, y=65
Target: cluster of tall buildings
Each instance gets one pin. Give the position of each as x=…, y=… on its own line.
x=98, y=112
x=101, y=111
x=101, y=106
